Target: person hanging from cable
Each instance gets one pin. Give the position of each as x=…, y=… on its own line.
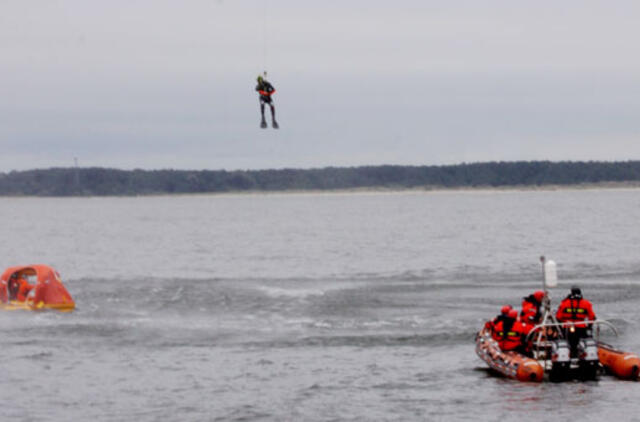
x=266, y=90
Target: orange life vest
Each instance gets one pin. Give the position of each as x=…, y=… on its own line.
x=509, y=338
x=575, y=309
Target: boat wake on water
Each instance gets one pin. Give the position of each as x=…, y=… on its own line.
x=265, y=313
x=367, y=310
x=310, y=340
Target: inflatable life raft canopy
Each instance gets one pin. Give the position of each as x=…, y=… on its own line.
x=48, y=291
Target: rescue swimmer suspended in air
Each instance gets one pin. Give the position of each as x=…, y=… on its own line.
x=266, y=90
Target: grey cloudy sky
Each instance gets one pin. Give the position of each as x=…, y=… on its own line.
x=169, y=84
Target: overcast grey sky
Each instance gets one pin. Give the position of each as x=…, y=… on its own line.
x=170, y=84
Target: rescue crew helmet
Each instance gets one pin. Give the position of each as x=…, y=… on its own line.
x=505, y=309
x=513, y=314
x=260, y=79
x=538, y=295
x=575, y=291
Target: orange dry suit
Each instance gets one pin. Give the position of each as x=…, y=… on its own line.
x=19, y=289
x=508, y=333
x=504, y=311
x=530, y=314
x=23, y=290
x=575, y=309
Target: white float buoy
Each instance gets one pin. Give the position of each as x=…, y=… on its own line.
x=550, y=274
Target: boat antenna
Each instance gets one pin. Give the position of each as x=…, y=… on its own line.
x=545, y=301
x=549, y=280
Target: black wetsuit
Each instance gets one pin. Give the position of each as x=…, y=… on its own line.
x=265, y=89
x=265, y=86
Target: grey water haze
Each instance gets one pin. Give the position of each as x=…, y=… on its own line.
x=314, y=307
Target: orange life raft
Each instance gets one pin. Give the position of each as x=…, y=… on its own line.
x=510, y=364
x=623, y=365
x=47, y=292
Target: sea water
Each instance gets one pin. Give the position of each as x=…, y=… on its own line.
x=309, y=306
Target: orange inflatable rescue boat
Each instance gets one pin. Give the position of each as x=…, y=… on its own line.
x=34, y=287
x=556, y=349
x=510, y=364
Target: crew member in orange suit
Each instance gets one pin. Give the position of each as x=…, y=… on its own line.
x=19, y=288
x=531, y=310
x=509, y=333
x=575, y=308
x=504, y=311
x=23, y=290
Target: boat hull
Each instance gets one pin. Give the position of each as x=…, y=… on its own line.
x=623, y=365
x=510, y=364
x=14, y=305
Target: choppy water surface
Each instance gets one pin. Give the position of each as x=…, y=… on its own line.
x=314, y=307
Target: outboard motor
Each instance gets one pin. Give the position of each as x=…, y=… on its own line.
x=588, y=350
x=560, y=352
x=588, y=358
x=560, y=360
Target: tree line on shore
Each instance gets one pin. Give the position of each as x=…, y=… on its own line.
x=105, y=181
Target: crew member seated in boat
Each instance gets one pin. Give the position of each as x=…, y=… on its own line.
x=504, y=311
x=531, y=310
x=19, y=288
x=574, y=308
x=509, y=333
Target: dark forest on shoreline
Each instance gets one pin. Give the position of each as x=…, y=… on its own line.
x=105, y=181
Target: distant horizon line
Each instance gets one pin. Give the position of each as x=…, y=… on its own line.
x=88, y=181
x=459, y=164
